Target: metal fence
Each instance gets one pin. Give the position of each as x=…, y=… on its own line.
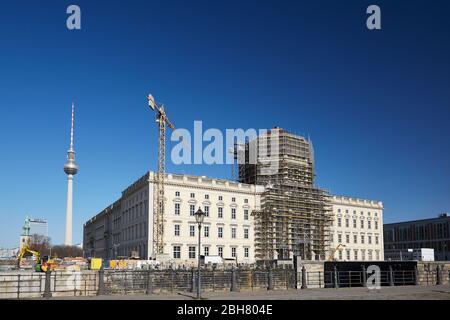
x=156, y=281
x=348, y=279
x=122, y=282
x=13, y=285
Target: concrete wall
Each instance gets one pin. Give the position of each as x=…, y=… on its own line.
x=428, y=272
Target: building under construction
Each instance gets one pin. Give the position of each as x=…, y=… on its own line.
x=295, y=216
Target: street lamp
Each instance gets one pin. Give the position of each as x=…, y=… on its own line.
x=199, y=216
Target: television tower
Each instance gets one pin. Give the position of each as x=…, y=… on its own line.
x=70, y=168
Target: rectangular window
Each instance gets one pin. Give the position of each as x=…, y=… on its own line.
x=206, y=211
x=233, y=252
x=363, y=255
x=246, y=233
x=206, y=231
x=369, y=224
x=348, y=254
x=355, y=254
x=340, y=254
x=362, y=239
x=233, y=233
x=354, y=223
x=177, y=193
x=220, y=232
x=206, y=196
x=369, y=238
x=192, y=195
x=233, y=213
x=346, y=223
x=246, y=214
x=192, y=231
x=177, y=230
x=220, y=214
x=177, y=208
x=206, y=251
x=347, y=238
x=191, y=209
x=191, y=252
x=376, y=241
x=339, y=222
x=176, y=252
x=355, y=238
x=220, y=198
x=233, y=199
x=362, y=224
x=376, y=225
x=339, y=238
x=246, y=252
x=220, y=251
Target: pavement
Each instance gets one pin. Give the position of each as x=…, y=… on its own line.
x=385, y=293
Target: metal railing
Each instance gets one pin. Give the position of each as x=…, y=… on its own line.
x=348, y=279
x=110, y=282
x=17, y=285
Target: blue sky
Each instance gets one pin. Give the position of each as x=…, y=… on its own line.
x=375, y=103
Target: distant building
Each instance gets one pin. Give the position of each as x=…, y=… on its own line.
x=126, y=226
x=39, y=227
x=8, y=253
x=422, y=254
x=427, y=233
x=357, y=229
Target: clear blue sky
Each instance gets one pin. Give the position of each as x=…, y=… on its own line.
x=375, y=104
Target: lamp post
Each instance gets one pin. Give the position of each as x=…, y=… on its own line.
x=199, y=216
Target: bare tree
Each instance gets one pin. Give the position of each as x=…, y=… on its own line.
x=40, y=243
x=62, y=251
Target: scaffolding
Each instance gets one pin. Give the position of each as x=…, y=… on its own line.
x=295, y=216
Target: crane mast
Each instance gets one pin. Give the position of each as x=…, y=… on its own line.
x=158, y=205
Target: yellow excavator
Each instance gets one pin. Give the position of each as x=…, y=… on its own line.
x=36, y=254
x=40, y=266
x=330, y=258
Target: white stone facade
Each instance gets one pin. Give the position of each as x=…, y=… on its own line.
x=228, y=230
x=358, y=227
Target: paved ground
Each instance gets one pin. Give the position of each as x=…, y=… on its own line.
x=385, y=293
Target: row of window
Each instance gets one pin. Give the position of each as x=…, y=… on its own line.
x=220, y=198
x=356, y=255
x=136, y=198
x=347, y=223
x=177, y=211
x=135, y=212
x=192, y=251
x=206, y=229
x=136, y=231
x=354, y=212
x=355, y=239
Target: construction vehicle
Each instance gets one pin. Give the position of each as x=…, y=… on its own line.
x=37, y=255
x=41, y=264
x=331, y=257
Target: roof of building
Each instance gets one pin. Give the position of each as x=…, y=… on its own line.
x=338, y=199
x=442, y=216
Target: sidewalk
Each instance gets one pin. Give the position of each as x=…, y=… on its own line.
x=385, y=293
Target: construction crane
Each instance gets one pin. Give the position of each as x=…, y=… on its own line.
x=330, y=258
x=158, y=205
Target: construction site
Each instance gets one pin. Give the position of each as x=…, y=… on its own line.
x=295, y=216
